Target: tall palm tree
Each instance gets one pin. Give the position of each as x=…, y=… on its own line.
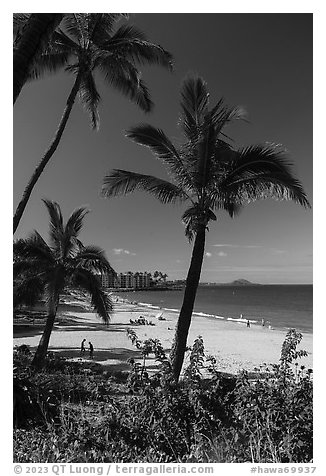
x=211, y=175
x=87, y=43
x=30, y=33
x=64, y=262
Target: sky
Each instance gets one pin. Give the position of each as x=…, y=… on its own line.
x=262, y=62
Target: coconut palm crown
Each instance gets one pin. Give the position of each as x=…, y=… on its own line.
x=47, y=269
x=208, y=173
x=30, y=34
x=83, y=44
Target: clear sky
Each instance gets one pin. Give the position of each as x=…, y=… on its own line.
x=260, y=61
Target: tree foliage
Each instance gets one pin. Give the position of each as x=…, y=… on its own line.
x=209, y=173
x=50, y=268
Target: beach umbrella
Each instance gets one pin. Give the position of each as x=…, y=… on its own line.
x=159, y=315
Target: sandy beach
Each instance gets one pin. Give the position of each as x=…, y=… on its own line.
x=234, y=345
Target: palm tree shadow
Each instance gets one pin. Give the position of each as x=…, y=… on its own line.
x=64, y=323
x=27, y=330
x=112, y=360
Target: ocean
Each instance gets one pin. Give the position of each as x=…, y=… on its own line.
x=281, y=306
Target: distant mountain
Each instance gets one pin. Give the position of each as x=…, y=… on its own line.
x=242, y=282
x=237, y=282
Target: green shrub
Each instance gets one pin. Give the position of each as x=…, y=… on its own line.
x=264, y=416
x=32, y=405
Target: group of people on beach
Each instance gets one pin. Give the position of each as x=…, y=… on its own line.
x=141, y=321
x=90, y=348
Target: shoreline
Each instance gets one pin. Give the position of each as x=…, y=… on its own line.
x=234, y=345
x=240, y=320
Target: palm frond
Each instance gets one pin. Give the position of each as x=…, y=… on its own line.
x=223, y=202
x=75, y=221
x=124, y=77
x=100, y=300
x=125, y=33
x=122, y=182
x=262, y=171
x=71, y=26
x=101, y=25
x=48, y=63
x=221, y=115
x=194, y=105
x=132, y=43
x=30, y=267
x=93, y=258
x=56, y=222
x=155, y=139
x=33, y=248
x=63, y=42
x=19, y=21
x=22, y=266
x=90, y=98
x=28, y=290
x=69, y=239
x=163, y=149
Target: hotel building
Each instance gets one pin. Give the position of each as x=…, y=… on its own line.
x=128, y=280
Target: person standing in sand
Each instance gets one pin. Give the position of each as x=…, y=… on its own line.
x=248, y=323
x=91, y=350
x=82, y=347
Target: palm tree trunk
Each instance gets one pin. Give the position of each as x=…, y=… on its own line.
x=45, y=159
x=35, y=33
x=184, y=320
x=40, y=354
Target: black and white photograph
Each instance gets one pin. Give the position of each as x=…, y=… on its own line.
x=163, y=240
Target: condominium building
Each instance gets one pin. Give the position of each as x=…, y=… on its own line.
x=128, y=280
x=142, y=280
x=109, y=280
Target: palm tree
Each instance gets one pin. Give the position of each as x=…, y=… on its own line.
x=31, y=32
x=64, y=262
x=87, y=43
x=211, y=175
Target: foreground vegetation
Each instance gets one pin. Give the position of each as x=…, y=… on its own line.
x=77, y=412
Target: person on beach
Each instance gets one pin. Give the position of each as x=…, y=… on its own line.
x=82, y=347
x=263, y=322
x=91, y=350
x=248, y=323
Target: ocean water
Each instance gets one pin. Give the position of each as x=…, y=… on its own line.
x=281, y=306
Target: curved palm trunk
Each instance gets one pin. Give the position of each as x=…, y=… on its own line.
x=40, y=354
x=45, y=159
x=184, y=320
x=36, y=31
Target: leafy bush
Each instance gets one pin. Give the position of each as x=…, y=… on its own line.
x=274, y=414
x=260, y=417
x=32, y=405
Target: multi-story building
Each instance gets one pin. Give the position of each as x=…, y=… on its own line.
x=109, y=280
x=142, y=280
x=128, y=280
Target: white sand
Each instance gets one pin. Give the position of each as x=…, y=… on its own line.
x=234, y=345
